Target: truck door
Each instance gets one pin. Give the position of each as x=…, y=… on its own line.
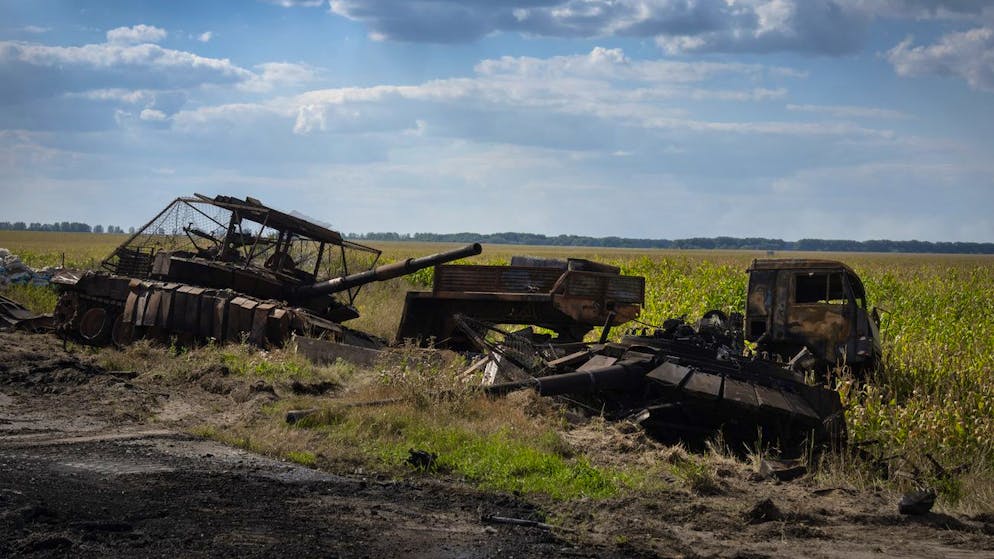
x=820, y=313
x=759, y=305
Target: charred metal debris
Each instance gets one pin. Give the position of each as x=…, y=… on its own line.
x=681, y=380
x=226, y=269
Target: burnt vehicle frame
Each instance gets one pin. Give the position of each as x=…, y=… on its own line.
x=817, y=305
x=227, y=269
x=804, y=317
x=569, y=297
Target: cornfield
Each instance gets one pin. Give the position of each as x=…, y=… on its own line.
x=933, y=394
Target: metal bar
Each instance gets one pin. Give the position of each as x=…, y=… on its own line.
x=201, y=212
x=105, y=265
x=251, y=254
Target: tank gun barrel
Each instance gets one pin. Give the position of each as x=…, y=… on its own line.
x=620, y=376
x=386, y=272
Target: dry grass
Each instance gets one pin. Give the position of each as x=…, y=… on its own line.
x=932, y=397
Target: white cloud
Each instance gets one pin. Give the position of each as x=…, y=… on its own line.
x=602, y=63
x=35, y=29
x=297, y=3
x=602, y=86
x=152, y=115
x=922, y=9
x=110, y=55
x=205, y=37
x=849, y=111
x=817, y=26
x=119, y=95
x=968, y=55
x=833, y=27
x=44, y=71
x=136, y=34
x=270, y=75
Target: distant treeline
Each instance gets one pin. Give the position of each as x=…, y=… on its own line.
x=727, y=243
x=62, y=227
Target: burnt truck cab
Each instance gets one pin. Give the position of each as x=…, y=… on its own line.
x=815, y=304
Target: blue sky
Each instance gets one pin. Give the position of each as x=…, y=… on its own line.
x=859, y=119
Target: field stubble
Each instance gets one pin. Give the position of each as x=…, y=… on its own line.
x=933, y=396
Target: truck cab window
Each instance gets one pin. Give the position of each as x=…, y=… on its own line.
x=819, y=287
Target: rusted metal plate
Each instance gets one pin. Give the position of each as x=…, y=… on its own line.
x=495, y=279
x=219, y=322
x=191, y=320
x=773, y=400
x=240, y=316
x=740, y=393
x=166, y=307
x=12, y=312
x=141, y=304
x=326, y=353
x=184, y=304
x=128, y=316
x=669, y=374
x=278, y=326
x=703, y=385
x=597, y=362
x=260, y=318
x=205, y=326
x=799, y=406
x=152, y=308
x=604, y=287
x=570, y=359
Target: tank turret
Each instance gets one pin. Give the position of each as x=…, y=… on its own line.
x=227, y=269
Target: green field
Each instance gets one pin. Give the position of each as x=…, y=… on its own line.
x=933, y=396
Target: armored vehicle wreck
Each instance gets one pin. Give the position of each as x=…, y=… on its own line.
x=683, y=382
x=802, y=319
x=227, y=269
x=569, y=297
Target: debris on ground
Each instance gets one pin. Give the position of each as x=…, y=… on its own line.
x=764, y=511
x=230, y=270
x=781, y=470
x=917, y=502
x=680, y=382
x=15, y=272
x=422, y=460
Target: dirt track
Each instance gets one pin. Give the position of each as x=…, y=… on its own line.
x=81, y=476
x=96, y=464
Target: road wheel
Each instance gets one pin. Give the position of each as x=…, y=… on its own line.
x=121, y=333
x=94, y=325
x=66, y=312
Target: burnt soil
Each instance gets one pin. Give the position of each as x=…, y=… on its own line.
x=99, y=464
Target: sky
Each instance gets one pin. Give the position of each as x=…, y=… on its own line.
x=841, y=119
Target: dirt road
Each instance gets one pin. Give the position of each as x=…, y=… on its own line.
x=96, y=464
x=80, y=475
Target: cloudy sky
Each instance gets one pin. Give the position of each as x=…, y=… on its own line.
x=860, y=119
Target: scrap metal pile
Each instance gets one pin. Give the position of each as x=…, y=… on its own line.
x=679, y=382
x=226, y=269
x=15, y=272
x=569, y=297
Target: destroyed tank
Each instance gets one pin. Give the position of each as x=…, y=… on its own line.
x=684, y=382
x=226, y=269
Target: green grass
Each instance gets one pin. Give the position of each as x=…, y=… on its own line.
x=36, y=298
x=500, y=459
x=303, y=458
x=933, y=394
x=42, y=248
